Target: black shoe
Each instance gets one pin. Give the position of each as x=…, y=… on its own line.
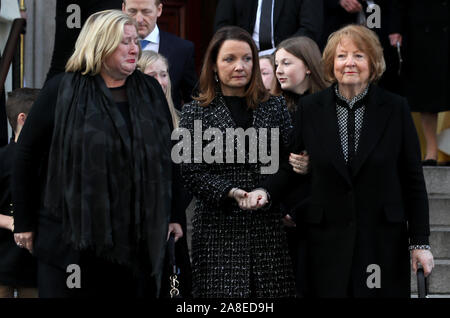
x=429, y=163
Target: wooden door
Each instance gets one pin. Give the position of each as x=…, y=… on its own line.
x=191, y=20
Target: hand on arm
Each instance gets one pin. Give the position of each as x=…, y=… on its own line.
x=300, y=162
x=7, y=222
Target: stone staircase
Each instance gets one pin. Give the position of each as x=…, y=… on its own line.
x=438, y=187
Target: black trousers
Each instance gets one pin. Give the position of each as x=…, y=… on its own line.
x=99, y=279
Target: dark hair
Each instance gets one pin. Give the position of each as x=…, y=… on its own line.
x=306, y=50
x=20, y=101
x=255, y=92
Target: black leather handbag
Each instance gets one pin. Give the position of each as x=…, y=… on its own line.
x=174, y=270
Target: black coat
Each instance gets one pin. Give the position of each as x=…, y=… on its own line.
x=180, y=54
x=355, y=220
x=30, y=176
x=235, y=253
x=290, y=18
x=424, y=26
x=17, y=266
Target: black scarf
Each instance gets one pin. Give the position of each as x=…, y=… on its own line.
x=112, y=190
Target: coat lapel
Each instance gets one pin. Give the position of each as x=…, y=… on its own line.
x=375, y=120
x=163, y=47
x=326, y=128
x=252, y=7
x=225, y=120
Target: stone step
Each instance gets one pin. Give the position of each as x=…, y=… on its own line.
x=433, y=296
x=438, y=281
x=438, y=181
x=439, y=211
x=440, y=242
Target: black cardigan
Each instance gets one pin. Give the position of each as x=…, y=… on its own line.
x=17, y=265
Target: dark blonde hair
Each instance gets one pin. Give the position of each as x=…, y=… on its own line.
x=276, y=90
x=98, y=39
x=147, y=59
x=365, y=40
x=255, y=92
x=308, y=51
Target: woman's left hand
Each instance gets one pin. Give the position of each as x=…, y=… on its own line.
x=177, y=231
x=300, y=162
x=423, y=257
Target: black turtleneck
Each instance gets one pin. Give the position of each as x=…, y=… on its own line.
x=241, y=114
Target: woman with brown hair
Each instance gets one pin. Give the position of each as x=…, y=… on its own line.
x=236, y=253
x=299, y=69
x=299, y=72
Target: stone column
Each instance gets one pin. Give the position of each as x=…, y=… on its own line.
x=39, y=41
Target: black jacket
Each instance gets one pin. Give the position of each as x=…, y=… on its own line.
x=180, y=54
x=355, y=220
x=291, y=17
x=425, y=29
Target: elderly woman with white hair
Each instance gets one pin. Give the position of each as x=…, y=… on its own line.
x=103, y=130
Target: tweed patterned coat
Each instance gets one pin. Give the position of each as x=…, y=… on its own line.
x=236, y=253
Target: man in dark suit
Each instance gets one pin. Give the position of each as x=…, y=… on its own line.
x=280, y=19
x=179, y=52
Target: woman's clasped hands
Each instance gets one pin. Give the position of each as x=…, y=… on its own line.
x=254, y=200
